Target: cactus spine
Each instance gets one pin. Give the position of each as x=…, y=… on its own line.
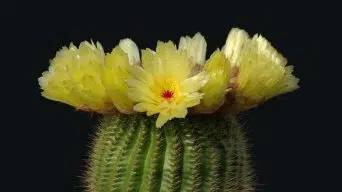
x=198, y=153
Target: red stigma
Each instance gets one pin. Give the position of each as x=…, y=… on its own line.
x=167, y=94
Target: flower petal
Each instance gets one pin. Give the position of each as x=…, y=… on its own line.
x=218, y=68
x=194, y=83
x=131, y=49
x=115, y=73
x=176, y=65
x=151, y=109
x=140, y=74
x=163, y=117
x=170, y=111
x=179, y=113
x=139, y=92
x=152, y=63
x=236, y=40
x=195, y=48
x=192, y=99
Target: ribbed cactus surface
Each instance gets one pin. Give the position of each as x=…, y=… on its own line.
x=198, y=153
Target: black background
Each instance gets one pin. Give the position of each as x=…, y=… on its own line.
x=55, y=137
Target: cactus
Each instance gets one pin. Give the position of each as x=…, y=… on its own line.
x=170, y=115
x=199, y=153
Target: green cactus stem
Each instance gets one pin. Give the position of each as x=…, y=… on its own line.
x=199, y=153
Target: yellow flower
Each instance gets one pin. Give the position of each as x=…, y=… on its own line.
x=116, y=72
x=262, y=71
x=215, y=90
x=74, y=78
x=163, y=84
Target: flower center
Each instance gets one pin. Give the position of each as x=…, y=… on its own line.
x=167, y=89
x=167, y=94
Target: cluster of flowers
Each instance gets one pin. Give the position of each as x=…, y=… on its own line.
x=169, y=81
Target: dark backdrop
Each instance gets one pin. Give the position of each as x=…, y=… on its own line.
x=56, y=137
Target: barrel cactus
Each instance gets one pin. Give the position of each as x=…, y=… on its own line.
x=169, y=116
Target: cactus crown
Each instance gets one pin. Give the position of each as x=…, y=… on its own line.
x=170, y=81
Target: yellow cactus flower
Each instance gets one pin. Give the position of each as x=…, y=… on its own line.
x=215, y=90
x=74, y=78
x=116, y=72
x=262, y=71
x=195, y=48
x=163, y=85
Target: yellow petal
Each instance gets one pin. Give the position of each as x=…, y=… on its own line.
x=151, y=109
x=139, y=92
x=170, y=111
x=115, y=75
x=163, y=117
x=140, y=74
x=192, y=99
x=176, y=65
x=265, y=49
x=195, y=48
x=289, y=83
x=194, y=83
x=215, y=89
x=131, y=49
x=179, y=113
x=236, y=40
x=152, y=63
